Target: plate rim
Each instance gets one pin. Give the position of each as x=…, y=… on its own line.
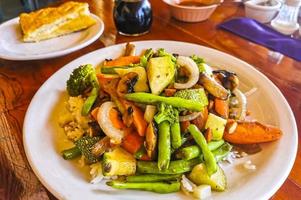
x=55, y=53
x=266, y=195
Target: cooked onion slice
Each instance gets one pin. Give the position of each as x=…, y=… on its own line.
x=186, y=185
x=103, y=119
x=242, y=105
x=193, y=70
x=189, y=117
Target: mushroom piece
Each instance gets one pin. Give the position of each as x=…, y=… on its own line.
x=151, y=139
x=213, y=87
x=127, y=83
x=130, y=49
x=101, y=146
x=228, y=79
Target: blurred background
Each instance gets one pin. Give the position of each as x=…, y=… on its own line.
x=12, y=8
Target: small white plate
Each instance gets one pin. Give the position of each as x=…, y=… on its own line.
x=66, y=181
x=13, y=48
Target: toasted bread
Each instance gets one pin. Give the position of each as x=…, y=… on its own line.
x=55, y=21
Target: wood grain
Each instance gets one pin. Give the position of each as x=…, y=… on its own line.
x=19, y=80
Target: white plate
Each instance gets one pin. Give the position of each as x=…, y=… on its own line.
x=267, y=104
x=13, y=48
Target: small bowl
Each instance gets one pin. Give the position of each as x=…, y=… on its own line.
x=262, y=13
x=190, y=13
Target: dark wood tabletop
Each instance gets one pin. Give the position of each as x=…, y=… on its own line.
x=20, y=80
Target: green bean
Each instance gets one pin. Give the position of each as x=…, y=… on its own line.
x=208, y=155
x=72, y=153
x=158, y=187
x=176, y=139
x=222, y=151
x=112, y=70
x=215, y=144
x=178, y=102
x=89, y=102
x=175, y=167
x=194, y=151
x=188, y=153
x=164, y=145
x=109, y=70
x=153, y=177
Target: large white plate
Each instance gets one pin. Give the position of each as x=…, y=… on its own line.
x=13, y=48
x=267, y=104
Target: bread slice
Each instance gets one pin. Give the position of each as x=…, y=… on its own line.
x=55, y=21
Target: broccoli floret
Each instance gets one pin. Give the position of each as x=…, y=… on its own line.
x=81, y=79
x=85, y=144
x=161, y=52
x=198, y=95
x=146, y=56
x=197, y=60
x=166, y=113
x=203, y=67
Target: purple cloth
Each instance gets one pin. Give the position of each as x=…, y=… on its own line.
x=264, y=35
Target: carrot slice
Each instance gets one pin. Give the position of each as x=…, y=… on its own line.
x=184, y=126
x=122, y=61
x=137, y=116
x=139, y=121
x=200, y=121
x=208, y=135
x=105, y=79
x=252, y=132
x=94, y=113
x=115, y=119
x=132, y=142
x=221, y=107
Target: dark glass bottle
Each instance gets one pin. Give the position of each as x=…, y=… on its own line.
x=132, y=17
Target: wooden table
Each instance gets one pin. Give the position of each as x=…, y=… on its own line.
x=19, y=80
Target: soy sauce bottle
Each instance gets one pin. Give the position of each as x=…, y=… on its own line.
x=132, y=17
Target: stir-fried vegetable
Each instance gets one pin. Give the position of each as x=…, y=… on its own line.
x=118, y=162
x=170, y=114
x=72, y=153
x=109, y=122
x=208, y=156
x=200, y=175
x=191, y=68
x=160, y=73
x=81, y=80
x=162, y=53
x=219, y=148
x=158, y=118
x=175, y=167
x=85, y=144
x=145, y=57
x=203, y=67
x=152, y=178
x=164, y=150
x=158, y=187
x=213, y=87
x=123, y=61
x=188, y=153
x=198, y=95
x=252, y=132
x=151, y=138
x=174, y=101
